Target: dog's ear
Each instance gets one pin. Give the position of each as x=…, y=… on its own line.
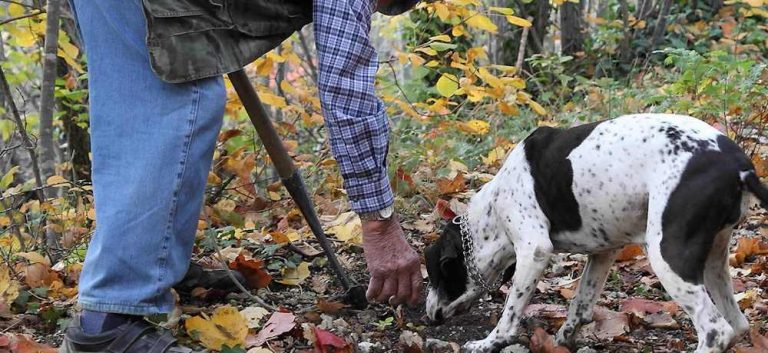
x=450, y=249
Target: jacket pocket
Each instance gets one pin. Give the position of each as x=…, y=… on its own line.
x=167, y=18
x=269, y=17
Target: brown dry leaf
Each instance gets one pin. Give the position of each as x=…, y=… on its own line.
x=447, y=186
x=411, y=342
x=641, y=307
x=630, y=252
x=607, y=324
x=253, y=271
x=35, y=258
x=23, y=344
x=746, y=299
x=277, y=324
x=37, y=275
x=746, y=247
x=661, y=320
x=9, y=289
x=567, y=293
x=542, y=342
x=226, y=327
x=554, y=313
x=330, y=307
x=761, y=166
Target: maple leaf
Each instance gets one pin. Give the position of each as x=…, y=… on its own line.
x=253, y=271
x=443, y=208
x=226, y=327
x=330, y=307
x=450, y=186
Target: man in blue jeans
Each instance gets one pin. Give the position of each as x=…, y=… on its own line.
x=153, y=142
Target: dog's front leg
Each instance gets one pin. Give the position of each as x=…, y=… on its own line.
x=590, y=287
x=532, y=260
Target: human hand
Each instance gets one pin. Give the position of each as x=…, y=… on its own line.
x=394, y=265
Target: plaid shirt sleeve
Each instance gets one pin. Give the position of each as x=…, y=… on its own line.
x=354, y=116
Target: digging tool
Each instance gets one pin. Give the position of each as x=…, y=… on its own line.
x=291, y=178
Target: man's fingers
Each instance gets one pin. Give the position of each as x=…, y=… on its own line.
x=389, y=289
x=416, y=285
x=374, y=287
x=403, y=288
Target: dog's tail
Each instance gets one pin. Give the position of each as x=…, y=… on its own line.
x=753, y=184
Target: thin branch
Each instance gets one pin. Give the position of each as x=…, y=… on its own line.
x=28, y=145
x=21, y=4
x=521, y=50
x=27, y=15
x=308, y=53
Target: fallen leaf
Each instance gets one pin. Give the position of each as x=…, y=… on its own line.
x=661, y=320
x=277, y=324
x=542, y=342
x=443, y=208
x=411, y=342
x=607, y=324
x=23, y=344
x=226, y=327
x=253, y=271
x=630, y=252
x=326, y=339
x=348, y=228
x=259, y=349
x=451, y=186
x=474, y=127
x=294, y=276
x=330, y=307
x=641, y=307
x=35, y=258
x=746, y=247
x=9, y=288
x=253, y=315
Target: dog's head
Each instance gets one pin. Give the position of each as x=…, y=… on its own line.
x=451, y=290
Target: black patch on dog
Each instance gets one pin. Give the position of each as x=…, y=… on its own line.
x=706, y=200
x=445, y=263
x=546, y=150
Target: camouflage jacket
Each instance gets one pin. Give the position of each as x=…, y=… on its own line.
x=194, y=39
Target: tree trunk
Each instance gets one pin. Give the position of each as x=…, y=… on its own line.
x=661, y=25
x=47, y=103
x=571, y=28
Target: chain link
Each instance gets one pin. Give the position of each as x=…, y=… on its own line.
x=468, y=248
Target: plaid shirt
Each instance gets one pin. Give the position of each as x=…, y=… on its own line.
x=354, y=116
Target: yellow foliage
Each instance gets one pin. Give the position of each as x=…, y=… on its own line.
x=518, y=21
x=9, y=289
x=447, y=85
x=226, y=327
x=481, y=22
x=294, y=276
x=475, y=127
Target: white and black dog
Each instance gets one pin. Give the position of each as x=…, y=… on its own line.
x=670, y=183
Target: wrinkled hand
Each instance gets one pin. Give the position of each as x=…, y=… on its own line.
x=394, y=265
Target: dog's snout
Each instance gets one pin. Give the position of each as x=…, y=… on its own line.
x=437, y=318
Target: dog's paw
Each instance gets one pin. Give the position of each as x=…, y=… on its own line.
x=475, y=347
x=482, y=346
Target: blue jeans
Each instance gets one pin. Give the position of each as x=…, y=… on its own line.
x=152, y=146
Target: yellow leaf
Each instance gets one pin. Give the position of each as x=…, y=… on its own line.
x=348, y=228
x=754, y=3
x=15, y=10
x=494, y=156
x=272, y=99
x=503, y=10
x=481, y=22
x=56, y=180
x=253, y=315
x=518, y=21
x=274, y=195
x=547, y=123
x=213, y=178
x=432, y=63
x=294, y=276
x=441, y=38
x=426, y=50
x=9, y=289
x=490, y=79
x=537, y=108
x=286, y=87
x=264, y=66
x=475, y=127
x=442, y=11
x=457, y=31
x=226, y=327
x=447, y=85
x=34, y=258
x=508, y=109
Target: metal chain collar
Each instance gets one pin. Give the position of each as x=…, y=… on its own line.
x=468, y=248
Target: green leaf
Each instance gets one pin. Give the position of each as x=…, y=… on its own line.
x=442, y=46
x=7, y=179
